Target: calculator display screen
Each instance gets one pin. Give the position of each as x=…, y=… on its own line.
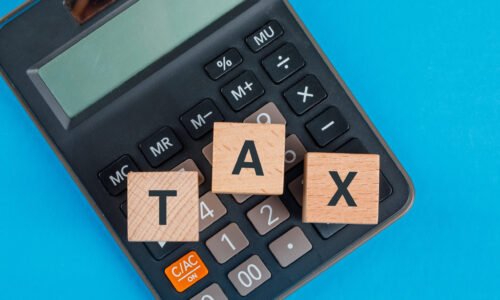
x=123, y=46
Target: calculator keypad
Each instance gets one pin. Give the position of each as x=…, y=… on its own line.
x=226, y=243
x=268, y=214
x=200, y=119
x=283, y=62
x=249, y=275
x=290, y=246
x=242, y=90
x=160, y=146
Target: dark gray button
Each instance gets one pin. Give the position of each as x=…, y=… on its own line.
x=327, y=126
x=159, y=250
x=296, y=187
x=305, y=94
x=200, y=119
x=268, y=215
x=283, y=62
x=290, y=246
x=213, y=292
x=160, y=146
x=328, y=230
x=249, y=275
x=294, y=152
x=242, y=90
x=223, y=63
x=264, y=36
x=211, y=210
x=227, y=243
x=114, y=176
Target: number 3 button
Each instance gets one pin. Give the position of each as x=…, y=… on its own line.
x=268, y=214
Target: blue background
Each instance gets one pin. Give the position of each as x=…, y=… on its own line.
x=427, y=73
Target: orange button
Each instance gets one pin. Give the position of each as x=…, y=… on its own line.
x=186, y=271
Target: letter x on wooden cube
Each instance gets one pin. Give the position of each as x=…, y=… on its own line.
x=248, y=158
x=341, y=188
x=163, y=206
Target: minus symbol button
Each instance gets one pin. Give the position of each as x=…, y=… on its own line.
x=327, y=126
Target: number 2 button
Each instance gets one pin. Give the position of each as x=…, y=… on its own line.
x=268, y=214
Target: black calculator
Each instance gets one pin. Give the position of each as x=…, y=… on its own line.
x=123, y=85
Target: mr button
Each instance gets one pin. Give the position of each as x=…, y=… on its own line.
x=162, y=206
x=248, y=158
x=341, y=188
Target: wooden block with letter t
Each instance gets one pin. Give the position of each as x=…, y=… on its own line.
x=341, y=188
x=162, y=206
x=248, y=158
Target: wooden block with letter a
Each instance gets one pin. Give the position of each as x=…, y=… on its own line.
x=162, y=206
x=248, y=158
x=341, y=188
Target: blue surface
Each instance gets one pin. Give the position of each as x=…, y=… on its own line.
x=427, y=73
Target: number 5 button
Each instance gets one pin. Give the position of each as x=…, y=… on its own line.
x=268, y=214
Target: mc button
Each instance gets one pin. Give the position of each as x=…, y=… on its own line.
x=160, y=146
x=114, y=176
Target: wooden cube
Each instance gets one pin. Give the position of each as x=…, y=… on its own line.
x=248, y=158
x=162, y=206
x=341, y=188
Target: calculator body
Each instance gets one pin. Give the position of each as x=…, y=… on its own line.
x=111, y=133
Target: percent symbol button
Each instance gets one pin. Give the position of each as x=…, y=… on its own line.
x=223, y=63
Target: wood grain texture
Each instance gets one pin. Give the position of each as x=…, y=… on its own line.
x=182, y=210
x=269, y=142
x=319, y=188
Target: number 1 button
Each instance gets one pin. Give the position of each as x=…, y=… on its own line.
x=227, y=243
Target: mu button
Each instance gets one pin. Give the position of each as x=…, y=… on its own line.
x=186, y=271
x=341, y=188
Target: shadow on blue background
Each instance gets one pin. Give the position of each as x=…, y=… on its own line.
x=428, y=75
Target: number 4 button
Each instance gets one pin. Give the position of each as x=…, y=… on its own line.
x=211, y=210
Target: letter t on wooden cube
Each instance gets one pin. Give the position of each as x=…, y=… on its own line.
x=248, y=158
x=162, y=206
x=341, y=188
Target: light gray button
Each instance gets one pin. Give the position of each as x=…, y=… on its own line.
x=213, y=292
x=227, y=243
x=296, y=187
x=208, y=152
x=267, y=114
x=211, y=210
x=190, y=165
x=294, y=152
x=268, y=214
x=290, y=246
x=240, y=198
x=249, y=275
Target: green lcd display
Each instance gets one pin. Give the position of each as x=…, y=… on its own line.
x=123, y=46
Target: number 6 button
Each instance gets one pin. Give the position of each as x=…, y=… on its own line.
x=268, y=214
x=249, y=275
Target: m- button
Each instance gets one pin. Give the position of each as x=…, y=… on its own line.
x=200, y=119
x=114, y=176
x=160, y=146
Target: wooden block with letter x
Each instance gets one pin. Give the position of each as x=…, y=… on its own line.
x=248, y=158
x=341, y=188
x=162, y=206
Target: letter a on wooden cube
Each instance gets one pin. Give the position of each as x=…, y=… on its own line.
x=248, y=158
x=341, y=188
x=162, y=206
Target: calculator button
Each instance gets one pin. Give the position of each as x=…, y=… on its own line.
x=327, y=126
x=243, y=90
x=208, y=152
x=186, y=271
x=227, y=243
x=264, y=36
x=211, y=210
x=123, y=208
x=190, y=166
x=283, y=63
x=290, y=246
x=114, y=176
x=159, y=250
x=240, y=198
x=305, y=94
x=200, y=119
x=328, y=230
x=267, y=114
x=355, y=146
x=223, y=63
x=213, y=292
x=268, y=215
x=296, y=187
x=249, y=275
x=294, y=152
x=160, y=146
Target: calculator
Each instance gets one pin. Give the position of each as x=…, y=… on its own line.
x=121, y=85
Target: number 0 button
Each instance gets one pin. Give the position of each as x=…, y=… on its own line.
x=227, y=243
x=268, y=214
x=249, y=275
